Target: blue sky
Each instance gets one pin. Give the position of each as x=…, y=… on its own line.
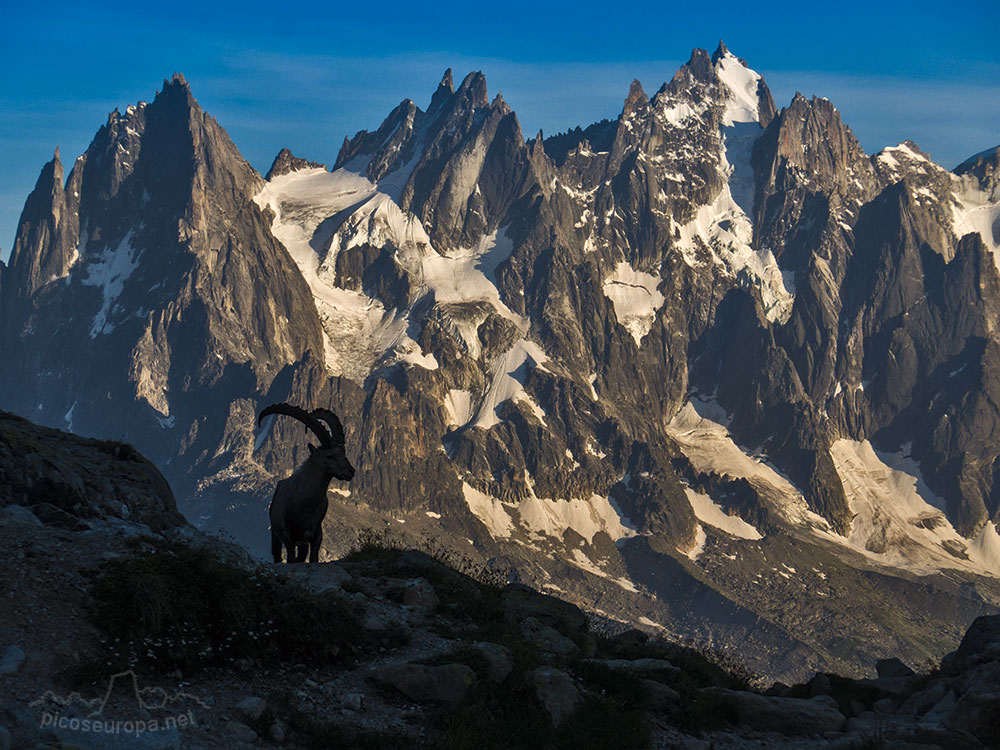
x=304, y=75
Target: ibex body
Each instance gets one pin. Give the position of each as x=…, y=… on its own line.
x=299, y=504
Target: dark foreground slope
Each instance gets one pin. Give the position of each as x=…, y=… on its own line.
x=151, y=624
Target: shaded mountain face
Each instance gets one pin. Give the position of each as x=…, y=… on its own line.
x=147, y=296
x=707, y=367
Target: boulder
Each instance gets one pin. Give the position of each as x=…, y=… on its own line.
x=819, y=685
x=662, y=698
x=418, y=593
x=252, y=708
x=353, y=701
x=322, y=578
x=447, y=684
x=12, y=660
x=645, y=667
x=892, y=668
x=546, y=639
x=630, y=639
x=799, y=716
x=980, y=643
x=277, y=732
x=240, y=732
x=498, y=658
x=977, y=712
x=414, y=561
x=19, y=514
x=556, y=691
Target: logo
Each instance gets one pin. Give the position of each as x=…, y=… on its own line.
x=124, y=709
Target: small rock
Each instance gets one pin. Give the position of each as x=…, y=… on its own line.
x=420, y=594
x=644, y=666
x=785, y=715
x=556, y=691
x=373, y=623
x=240, y=731
x=353, y=701
x=328, y=576
x=448, y=683
x=630, y=639
x=819, y=685
x=498, y=658
x=244, y=665
x=778, y=688
x=547, y=639
x=12, y=661
x=252, y=708
x=885, y=706
x=277, y=732
x=19, y=514
x=662, y=698
x=21, y=724
x=310, y=683
x=893, y=668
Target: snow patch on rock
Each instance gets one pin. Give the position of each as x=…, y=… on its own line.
x=490, y=511
x=898, y=520
x=700, y=537
x=974, y=212
x=458, y=407
x=109, y=271
x=507, y=379
x=635, y=297
x=741, y=84
x=723, y=229
x=711, y=513
x=711, y=449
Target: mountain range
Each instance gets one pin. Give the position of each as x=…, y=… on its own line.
x=707, y=368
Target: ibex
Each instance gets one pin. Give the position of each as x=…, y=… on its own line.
x=299, y=503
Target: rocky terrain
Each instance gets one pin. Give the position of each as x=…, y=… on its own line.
x=707, y=369
x=414, y=652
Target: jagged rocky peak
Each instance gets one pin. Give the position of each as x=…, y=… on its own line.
x=984, y=167
x=165, y=264
x=636, y=98
x=720, y=52
x=808, y=147
x=456, y=165
x=44, y=247
x=720, y=79
x=286, y=162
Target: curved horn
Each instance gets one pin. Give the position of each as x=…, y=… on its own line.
x=336, y=429
x=303, y=416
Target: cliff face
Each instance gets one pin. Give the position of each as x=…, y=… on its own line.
x=147, y=296
x=69, y=482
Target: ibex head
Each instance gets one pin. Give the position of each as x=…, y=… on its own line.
x=329, y=455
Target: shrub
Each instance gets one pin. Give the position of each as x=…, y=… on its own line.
x=173, y=607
